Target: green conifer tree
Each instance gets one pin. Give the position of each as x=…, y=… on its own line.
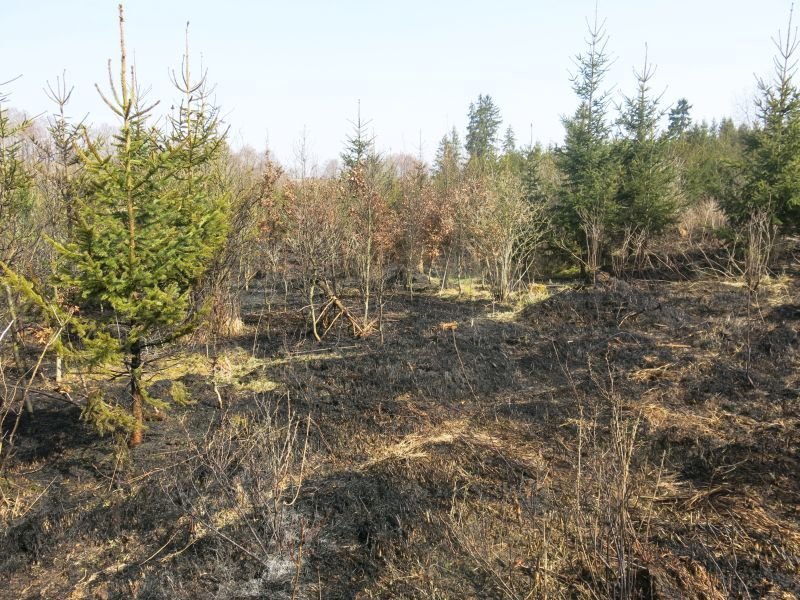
x=679, y=119
x=365, y=191
x=647, y=194
x=197, y=137
x=482, y=129
x=587, y=161
x=513, y=159
x=140, y=243
x=448, y=161
x=16, y=207
x=771, y=166
x=16, y=183
x=509, y=141
x=531, y=175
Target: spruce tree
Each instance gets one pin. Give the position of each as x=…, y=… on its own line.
x=647, y=195
x=531, y=175
x=16, y=206
x=771, y=167
x=509, y=141
x=586, y=159
x=363, y=185
x=482, y=129
x=513, y=159
x=16, y=182
x=59, y=173
x=198, y=137
x=60, y=163
x=679, y=119
x=141, y=240
x=448, y=161
x=359, y=146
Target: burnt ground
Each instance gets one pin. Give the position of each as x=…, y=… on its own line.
x=635, y=439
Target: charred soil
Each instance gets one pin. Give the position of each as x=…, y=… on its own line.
x=631, y=439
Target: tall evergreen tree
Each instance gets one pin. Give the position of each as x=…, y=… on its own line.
x=58, y=162
x=509, y=141
x=772, y=150
x=59, y=173
x=531, y=175
x=647, y=196
x=359, y=146
x=482, y=129
x=586, y=159
x=365, y=194
x=16, y=189
x=679, y=118
x=512, y=159
x=448, y=161
x=140, y=244
x=16, y=207
x=197, y=136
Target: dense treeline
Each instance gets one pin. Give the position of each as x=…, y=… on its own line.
x=123, y=243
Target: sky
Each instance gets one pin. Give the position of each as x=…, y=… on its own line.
x=284, y=68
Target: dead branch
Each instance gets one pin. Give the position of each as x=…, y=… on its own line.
x=359, y=330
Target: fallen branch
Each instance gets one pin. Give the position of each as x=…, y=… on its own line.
x=359, y=330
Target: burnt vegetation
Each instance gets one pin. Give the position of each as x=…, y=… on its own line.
x=517, y=373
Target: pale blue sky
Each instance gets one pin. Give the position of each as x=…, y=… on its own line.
x=415, y=65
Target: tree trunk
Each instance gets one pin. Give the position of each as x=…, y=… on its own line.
x=446, y=267
x=15, y=335
x=226, y=312
x=137, y=404
x=16, y=343
x=459, y=273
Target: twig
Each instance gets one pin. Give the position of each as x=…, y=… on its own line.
x=156, y=553
x=39, y=497
x=463, y=369
x=302, y=463
x=299, y=563
x=316, y=350
x=6, y=330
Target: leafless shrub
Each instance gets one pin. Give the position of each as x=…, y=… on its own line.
x=603, y=493
x=240, y=483
x=419, y=219
x=370, y=231
x=632, y=253
x=593, y=228
x=698, y=222
x=505, y=232
x=250, y=183
x=314, y=228
x=761, y=235
x=314, y=234
x=457, y=219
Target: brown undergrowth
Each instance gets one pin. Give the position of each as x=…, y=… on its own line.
x=629, y=440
